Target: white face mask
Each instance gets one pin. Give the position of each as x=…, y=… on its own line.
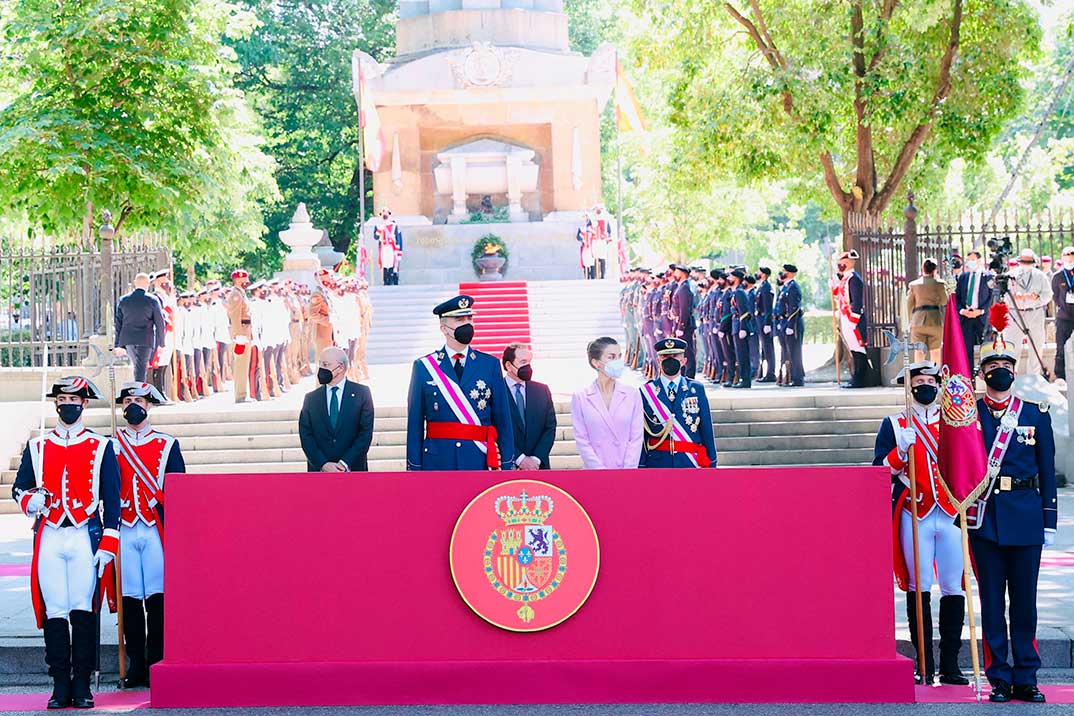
x=971, y=265
x=1068, y=265
x=614, y=368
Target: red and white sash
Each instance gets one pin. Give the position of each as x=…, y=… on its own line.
x=454, y=395
x=927, y=439
x=1008, y=425
x=662, y=412
x=145, y=477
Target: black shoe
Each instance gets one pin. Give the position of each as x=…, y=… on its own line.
x=1029, y=693
x=741, y=384
x=769, y=379
x=61, y=694
x=1001, y=692
x=929, y=679
x=82, y=702
x=728, y=384
x=83, y=656
x=58, y=658
x=956, y=679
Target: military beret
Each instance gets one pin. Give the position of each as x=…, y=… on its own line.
x=75, y=385
x=790, y=268
x=239, y=273
x=140, y=390
x=455, y=307
x=765, y=270
x=738, y=273
x=670, y=346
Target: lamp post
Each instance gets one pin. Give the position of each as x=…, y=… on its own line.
x=106, y=232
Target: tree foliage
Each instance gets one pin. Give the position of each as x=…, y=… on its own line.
x=845, y=96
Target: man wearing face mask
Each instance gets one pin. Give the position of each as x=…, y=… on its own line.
x=1029, y=293
x=68, y=481
x=741, y=328
x=1015, y=516
x=533, y=414
x=458, y=416
x=766, y=304
x=389, y=246
x=678, y=422
x=849, y=294
x=145, y=456
x=1063, y=293
x=940, y=540
x=973, y=295
x=681, y=314
x=789, y=306
x=335, y=425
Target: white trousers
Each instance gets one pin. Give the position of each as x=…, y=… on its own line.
x=142, y=561
x=1014, y=334
x=65, y=570
x=939, y=540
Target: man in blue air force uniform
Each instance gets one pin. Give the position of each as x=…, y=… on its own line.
x=1008, y=525
x=458, y=417
x=678, y=423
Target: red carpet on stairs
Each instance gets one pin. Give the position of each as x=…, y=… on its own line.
x=502, y=314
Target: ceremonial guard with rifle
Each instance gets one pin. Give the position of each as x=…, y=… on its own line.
x=458, y=417
x=145, y=455
x=678, y=422
x=68, y=480
x=1014, y=517
x=848, y=292
x=939, y=538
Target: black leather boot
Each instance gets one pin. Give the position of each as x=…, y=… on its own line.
x=58, y=658
x=952, y=614
x=861, y=370
x=83, y=658
x=911, y=618
x=154, y=645
x=134, y=641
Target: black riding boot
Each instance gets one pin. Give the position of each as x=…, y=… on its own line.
x=58, y=658
x=952, y=614
x=911, y=617
x=83, y=657
x=861, y=370
x=154, y=645
x=134, y=641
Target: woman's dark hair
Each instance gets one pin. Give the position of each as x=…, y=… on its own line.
x=929, y=266
x=596, y=348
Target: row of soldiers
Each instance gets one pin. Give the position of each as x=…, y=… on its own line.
x=730, y=319
x=259, y=335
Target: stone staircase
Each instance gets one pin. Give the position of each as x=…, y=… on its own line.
x=811, y=427
x=564, y=317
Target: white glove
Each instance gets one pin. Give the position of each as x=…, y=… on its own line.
x=742, y=335
x=35, y=504
x=1049, y=537
x=102, y=559
x=904, y=438
x=790, y=331
x=767, y=330
x=720, y=334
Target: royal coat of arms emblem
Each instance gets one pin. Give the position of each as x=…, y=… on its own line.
x=524, y=555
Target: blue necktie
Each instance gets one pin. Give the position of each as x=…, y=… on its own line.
x=520, y=401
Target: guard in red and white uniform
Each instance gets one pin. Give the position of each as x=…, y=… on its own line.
x=389, y=246
x=939, y=539
x=68, y=481
x=145, y=456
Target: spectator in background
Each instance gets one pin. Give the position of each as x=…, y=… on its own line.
x=925, y=303
x=973, y=296
x=607, y=415
x=69, y=328
x=1030, y=291
x=139, y=326
x=1063, y=293
x=533, y=415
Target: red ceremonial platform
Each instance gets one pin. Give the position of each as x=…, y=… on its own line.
x=329, y=589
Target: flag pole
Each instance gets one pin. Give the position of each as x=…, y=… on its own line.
x=835, y=317
x=361, y=163
x=911, y=472
x=619, y=232
x=967, y=577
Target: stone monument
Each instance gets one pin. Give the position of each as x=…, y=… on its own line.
x=486, y=103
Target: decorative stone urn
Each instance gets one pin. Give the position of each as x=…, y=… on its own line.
x=301, y=237
x=490, y=265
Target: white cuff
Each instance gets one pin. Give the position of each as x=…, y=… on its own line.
x=519, y=459
x=1050, y=529
x=345, y=465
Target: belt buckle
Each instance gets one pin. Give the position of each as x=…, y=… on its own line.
x=1005, y=483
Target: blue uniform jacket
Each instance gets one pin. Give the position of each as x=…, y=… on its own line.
x=766, y=298
x=691, y=408
x=482, y=383
x=741, y=312
x=1019, y=517
x=789, y=305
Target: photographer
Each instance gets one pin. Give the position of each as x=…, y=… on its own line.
x=1029, y=291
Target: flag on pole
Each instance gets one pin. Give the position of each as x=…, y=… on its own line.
x=963, y=464
x=627, y=109
x=369, y=121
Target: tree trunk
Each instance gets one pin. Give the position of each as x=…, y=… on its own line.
x=191, y=268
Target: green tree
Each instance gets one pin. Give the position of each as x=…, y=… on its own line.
x=115, y=104
x=296, y=72
x=844, y=96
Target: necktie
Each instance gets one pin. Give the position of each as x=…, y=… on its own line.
x=973, y=290
x=520, y=401
x=671, y=392
x=333, y=410
x=458, y=366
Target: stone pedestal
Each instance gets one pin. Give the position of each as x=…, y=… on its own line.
x=301, y=237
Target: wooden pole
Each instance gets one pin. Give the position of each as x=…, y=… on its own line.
x=835, y=322
x=967, y=576
x=911, y=473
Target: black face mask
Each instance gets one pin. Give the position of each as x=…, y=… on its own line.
x=69, y=413
x=135, y=414
x=782, y=276
x=464, y=333
x=842, y=267
x=1000, y=379
x=671, y=366
x=324, y=376
x=525, y=373
x=925, y=394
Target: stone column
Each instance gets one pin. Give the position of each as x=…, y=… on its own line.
x=458, y=186
x=514, y=187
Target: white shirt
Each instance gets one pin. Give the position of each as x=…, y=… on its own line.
x=451, y=355
x=511, y=383
x=668, y=382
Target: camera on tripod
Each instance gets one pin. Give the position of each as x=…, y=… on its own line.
x=1000, y=251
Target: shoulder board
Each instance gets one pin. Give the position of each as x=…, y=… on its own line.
x=1043, y=406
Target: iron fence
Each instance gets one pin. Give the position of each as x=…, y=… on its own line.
x=52, y=293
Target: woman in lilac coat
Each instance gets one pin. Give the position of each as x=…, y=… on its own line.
x=607, y=415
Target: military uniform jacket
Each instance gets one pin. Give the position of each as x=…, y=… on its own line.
x=678, y=433
x=238, y=313
x=436, y=396
x=145, y=457
x=1018, y=517
x=682, y=310
x=741, y=313
x=766, y=300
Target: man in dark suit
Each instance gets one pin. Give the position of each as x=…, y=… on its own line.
x=336, y=422
x=139, y=326
x=973, y=294
x=533, y=414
